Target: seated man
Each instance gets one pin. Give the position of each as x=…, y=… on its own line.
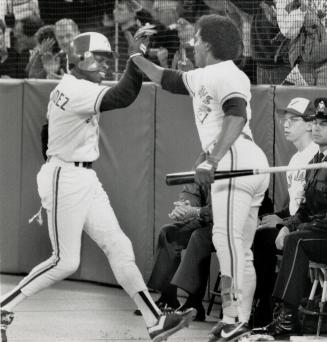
x=296, y=123
x=192, y=222
x=306, y=236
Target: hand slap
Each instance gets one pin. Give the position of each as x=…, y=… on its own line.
x=145, y=31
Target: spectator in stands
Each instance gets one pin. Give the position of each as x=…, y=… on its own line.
x=24, y=34
x=8, y=57
x=296, y=121
x=125, y=15
x=45, y=62
x=166, y=15
x=303, y=236
x=304, y=23
x=242, y=20
x=184, y=56
x=65, y=30
x=269, y=47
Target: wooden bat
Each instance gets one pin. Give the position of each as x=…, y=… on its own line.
x=178, y=178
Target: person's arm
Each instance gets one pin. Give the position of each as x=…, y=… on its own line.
x=170, y=80
x=234, y=121
x=125, y=91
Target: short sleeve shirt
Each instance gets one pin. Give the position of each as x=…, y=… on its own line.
x=210, y=88
x=73, y=114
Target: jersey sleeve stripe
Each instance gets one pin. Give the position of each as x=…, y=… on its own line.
x=184, y=75
x=99, y=99
x=231, y=95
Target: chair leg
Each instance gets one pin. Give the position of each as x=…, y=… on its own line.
x=214, y=293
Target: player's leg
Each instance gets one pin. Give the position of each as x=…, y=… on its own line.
x=65, y=223
x=103, y=227
x=232, y=203
x=249, y=277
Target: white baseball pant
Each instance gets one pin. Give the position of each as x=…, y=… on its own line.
x=235, y=205
x=75, y=201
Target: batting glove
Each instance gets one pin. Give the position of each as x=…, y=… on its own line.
x=145, y=31
x=135, y=47
x=205, y=172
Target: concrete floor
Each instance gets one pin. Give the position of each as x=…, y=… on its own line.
x=73, y=311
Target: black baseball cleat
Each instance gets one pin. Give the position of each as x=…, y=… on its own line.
x=223, y=332
x=6, y=318
x=284, y=325
x=169, y=323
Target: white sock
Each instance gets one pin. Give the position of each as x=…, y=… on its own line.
x=147, y=306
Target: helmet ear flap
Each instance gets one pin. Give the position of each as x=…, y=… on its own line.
x=88, y=62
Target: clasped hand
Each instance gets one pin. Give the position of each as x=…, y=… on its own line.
x=183, y=211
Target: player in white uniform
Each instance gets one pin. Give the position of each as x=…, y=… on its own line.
x=221, y=101
x=296, y=120
x=71, y=192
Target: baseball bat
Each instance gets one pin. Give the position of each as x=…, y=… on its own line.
x=179, y=178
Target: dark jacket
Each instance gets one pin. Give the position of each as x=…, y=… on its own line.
x=312, y=212
x=269, y=47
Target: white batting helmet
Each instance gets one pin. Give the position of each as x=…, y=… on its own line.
x=83, y=48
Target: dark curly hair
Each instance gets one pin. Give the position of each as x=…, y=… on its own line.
x=223, y=36
x=47, y=31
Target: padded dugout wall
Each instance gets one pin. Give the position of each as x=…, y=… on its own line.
x=139, y=145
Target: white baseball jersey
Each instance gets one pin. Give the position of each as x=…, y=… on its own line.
x=296, y=179
x=73, y=114
x=210, y=87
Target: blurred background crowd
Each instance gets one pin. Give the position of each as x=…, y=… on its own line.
x=285, y=42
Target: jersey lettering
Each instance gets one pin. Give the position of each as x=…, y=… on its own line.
x=59, y=99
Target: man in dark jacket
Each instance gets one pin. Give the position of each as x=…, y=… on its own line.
x=269, y=47
x=304, y=236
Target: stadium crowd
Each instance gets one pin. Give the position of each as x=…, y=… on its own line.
x=284, y=41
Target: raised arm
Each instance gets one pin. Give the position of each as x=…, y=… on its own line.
x=170, y=80
x=125, y=91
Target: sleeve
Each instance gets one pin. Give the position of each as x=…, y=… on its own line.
x=292, y=222
x=35, y=69
x=283, y=213
x=125, y=91
x=172, y=80
x=191, y=192
x=86, y=98
x=189, y=79
x=228, y=86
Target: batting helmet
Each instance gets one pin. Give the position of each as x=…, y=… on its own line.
x=83, y=48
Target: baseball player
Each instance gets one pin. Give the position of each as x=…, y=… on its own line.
x=73, y=195
x=221, y=102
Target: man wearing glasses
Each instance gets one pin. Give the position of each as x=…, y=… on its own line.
x=305, y=236
x=296, y=121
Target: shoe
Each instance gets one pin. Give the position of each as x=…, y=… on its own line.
x=163, y=306
x=6, y=318
x=214, y=334
x=200, y=312
x=169, y=323
x=224, y=332
x=285, y=324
